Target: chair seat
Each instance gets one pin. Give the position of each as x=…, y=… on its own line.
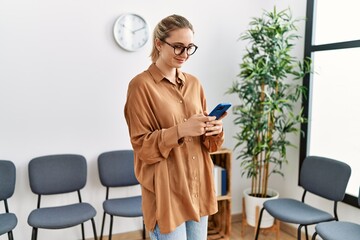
x=125, y=207
x=338, y=230
x=293, y=211
x=61, y=217
x=8, y=222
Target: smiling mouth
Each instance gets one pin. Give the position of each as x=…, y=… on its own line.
x=180, y=60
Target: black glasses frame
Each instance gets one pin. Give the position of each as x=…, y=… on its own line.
x=175, y=47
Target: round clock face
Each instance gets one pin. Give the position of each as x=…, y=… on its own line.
x=131, y=31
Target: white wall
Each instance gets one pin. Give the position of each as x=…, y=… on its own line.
x=63, y=83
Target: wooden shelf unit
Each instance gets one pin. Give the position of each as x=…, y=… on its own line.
x=219, y=226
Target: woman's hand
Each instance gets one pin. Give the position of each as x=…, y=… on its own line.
x=214, y=127
x=196, y=125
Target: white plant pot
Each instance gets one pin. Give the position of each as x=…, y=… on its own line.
x=250, y=208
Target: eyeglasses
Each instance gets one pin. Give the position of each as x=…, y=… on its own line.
x=179, y=49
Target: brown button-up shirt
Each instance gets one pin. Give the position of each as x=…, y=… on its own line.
x=175, y=174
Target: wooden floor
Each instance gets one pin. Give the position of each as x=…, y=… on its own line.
x=249, y=234
x=235, y=234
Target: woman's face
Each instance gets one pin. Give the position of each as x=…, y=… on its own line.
x=178, y=38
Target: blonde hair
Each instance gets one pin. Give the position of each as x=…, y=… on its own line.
x=163, y=29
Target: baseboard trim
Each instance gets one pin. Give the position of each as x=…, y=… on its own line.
x=236, y=217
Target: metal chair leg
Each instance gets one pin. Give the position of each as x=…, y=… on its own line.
x=306, y=233
x=259, y=224
x=102, y=226
x=10, y=235
x=94, y=228
x=111, y=224
x=144, y=231
x=82, y=231
x=314, y=236
x=34, y=234
x=299, y=232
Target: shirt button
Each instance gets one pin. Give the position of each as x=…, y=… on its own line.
x=196, y=195
x=193, y=157
x=180, y=101
x=185, y=119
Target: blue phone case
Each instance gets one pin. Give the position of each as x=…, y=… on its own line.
x=220, y=109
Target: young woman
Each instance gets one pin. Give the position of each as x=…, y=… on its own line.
x=172, y=136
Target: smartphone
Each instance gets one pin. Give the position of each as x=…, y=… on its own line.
x=220, y=109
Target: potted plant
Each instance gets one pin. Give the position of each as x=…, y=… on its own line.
x=269, y=88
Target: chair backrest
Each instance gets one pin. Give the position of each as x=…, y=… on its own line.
x=55, y=174
x=116, y=168
x=7, y=179
x=325, y=177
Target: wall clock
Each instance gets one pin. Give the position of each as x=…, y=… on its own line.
x=131, y=31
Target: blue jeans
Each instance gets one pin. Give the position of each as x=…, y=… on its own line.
x=190, y=230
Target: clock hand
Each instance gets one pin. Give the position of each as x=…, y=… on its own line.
x=138, y=29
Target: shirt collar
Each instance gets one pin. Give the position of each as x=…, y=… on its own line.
x=158, y=76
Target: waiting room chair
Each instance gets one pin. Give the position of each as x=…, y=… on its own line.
x=116, y=169
x=324, y=177
x=8, y=221
x=336, y=230
x=59, y=174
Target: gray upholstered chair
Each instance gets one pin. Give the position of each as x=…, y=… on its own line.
x=116, y=169
x=58, y=174
x=8, y=220
x=336, y=230
x=324, y=177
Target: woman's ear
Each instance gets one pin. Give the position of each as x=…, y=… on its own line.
x=158, y=44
